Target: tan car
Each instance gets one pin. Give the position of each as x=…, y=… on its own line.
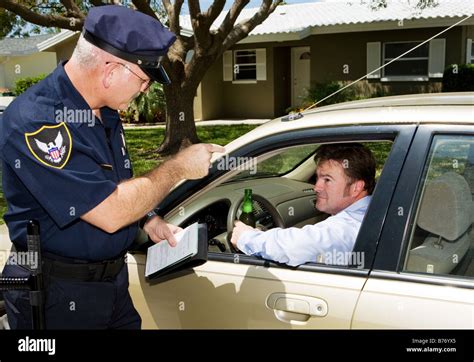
x=414, y=266
x=413, y=263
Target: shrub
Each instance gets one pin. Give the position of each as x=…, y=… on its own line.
x=458, y=78
x=321, y=90
x=22, y=84
x=148, y=107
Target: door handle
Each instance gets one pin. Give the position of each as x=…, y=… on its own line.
x=296, y=308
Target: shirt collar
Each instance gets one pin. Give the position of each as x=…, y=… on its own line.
x=361, y=204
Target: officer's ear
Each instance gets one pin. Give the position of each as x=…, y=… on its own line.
x=110, y=70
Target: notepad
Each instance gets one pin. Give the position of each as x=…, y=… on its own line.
x=190, y=251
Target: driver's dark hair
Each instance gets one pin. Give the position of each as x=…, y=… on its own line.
x=357, y=160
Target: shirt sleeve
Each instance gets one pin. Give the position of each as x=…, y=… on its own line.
x=65, y=193
x=295, y=246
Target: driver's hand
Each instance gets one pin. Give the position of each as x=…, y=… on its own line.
x=158, y=230
x=239, y=228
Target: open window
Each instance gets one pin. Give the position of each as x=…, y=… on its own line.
x=282, y=180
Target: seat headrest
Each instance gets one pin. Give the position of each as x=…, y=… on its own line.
x=446, y=206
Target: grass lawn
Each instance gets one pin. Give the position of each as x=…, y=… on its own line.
x=143, y=142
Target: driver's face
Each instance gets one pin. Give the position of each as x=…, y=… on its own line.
x=332, y=188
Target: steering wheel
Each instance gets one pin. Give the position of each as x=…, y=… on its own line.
x=267, y=205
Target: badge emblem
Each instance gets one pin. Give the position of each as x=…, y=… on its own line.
x=51, y=145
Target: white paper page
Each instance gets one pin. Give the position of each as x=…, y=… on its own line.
x=162, y=254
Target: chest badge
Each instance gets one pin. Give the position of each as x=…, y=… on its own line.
x=51, y=145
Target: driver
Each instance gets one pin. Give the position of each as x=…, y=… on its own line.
x=345, y=179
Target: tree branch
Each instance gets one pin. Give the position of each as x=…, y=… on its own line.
x=213, y=12
x=71, y=7
x=144, y=7
x=230, y=19
x=198, y=23
x=73, y=23
x=173, y=14
x=242, y=29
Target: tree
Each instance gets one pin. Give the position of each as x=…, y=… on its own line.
x=207, y=45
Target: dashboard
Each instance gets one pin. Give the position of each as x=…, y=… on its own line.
x=293, y=201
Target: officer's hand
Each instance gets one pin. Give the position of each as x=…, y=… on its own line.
x=194, y=161
x=158, y=230
x=239, y=228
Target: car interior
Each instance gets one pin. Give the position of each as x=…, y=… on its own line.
x=443, y=239
x=282, y=188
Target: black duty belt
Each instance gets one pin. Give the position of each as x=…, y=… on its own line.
x=87, y=272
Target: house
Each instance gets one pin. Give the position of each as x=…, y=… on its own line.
x=32, y=56
x=303, y=44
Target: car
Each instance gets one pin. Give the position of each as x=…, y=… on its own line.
x=412, y=265
x=416, y=241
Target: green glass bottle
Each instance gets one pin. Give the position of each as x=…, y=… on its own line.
x=247, y=216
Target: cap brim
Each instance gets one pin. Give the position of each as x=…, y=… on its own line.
x=157, y=74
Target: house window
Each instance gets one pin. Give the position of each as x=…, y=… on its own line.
x=245, y=65
x=413, y=64
x=472, y=53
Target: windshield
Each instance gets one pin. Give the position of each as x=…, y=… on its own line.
x=277, y=165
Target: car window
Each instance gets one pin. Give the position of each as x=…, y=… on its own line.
x=280, y=163
x=289, y=159
x=442, y=239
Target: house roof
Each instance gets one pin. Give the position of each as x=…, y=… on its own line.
x=32, y=44
x=297, y=21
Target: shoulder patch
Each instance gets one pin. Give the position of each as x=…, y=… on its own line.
x=51, y=145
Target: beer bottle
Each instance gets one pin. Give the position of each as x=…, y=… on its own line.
x=247, y=216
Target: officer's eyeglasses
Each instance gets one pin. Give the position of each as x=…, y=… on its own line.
x=147, y=82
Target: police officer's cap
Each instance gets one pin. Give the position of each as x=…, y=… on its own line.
x=130, y=35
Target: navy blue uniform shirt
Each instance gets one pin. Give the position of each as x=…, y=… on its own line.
x=59, y=162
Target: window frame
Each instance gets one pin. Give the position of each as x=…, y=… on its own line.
x=419, y=197
x=234, y=63
x=396, y=233
x=400, y=135
x=421, y=77
x=472, y=54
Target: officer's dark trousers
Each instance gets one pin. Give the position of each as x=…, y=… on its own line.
x=75, y=304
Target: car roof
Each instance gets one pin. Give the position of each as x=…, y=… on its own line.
x=450, y=108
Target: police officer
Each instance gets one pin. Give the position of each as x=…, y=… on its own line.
x=65, y=163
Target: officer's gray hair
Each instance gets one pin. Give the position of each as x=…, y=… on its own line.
x=86, y=54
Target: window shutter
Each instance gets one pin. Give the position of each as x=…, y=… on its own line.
x=373, y=59
x=437, y=58
x=261, y=64
x=468, y=50
x=227, y=62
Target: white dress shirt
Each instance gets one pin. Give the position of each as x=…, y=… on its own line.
x=329, y=241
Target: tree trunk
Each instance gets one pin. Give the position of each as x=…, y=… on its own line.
x=180, y=127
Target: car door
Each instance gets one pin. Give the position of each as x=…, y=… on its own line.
x=238, y=291
x=423, y=276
